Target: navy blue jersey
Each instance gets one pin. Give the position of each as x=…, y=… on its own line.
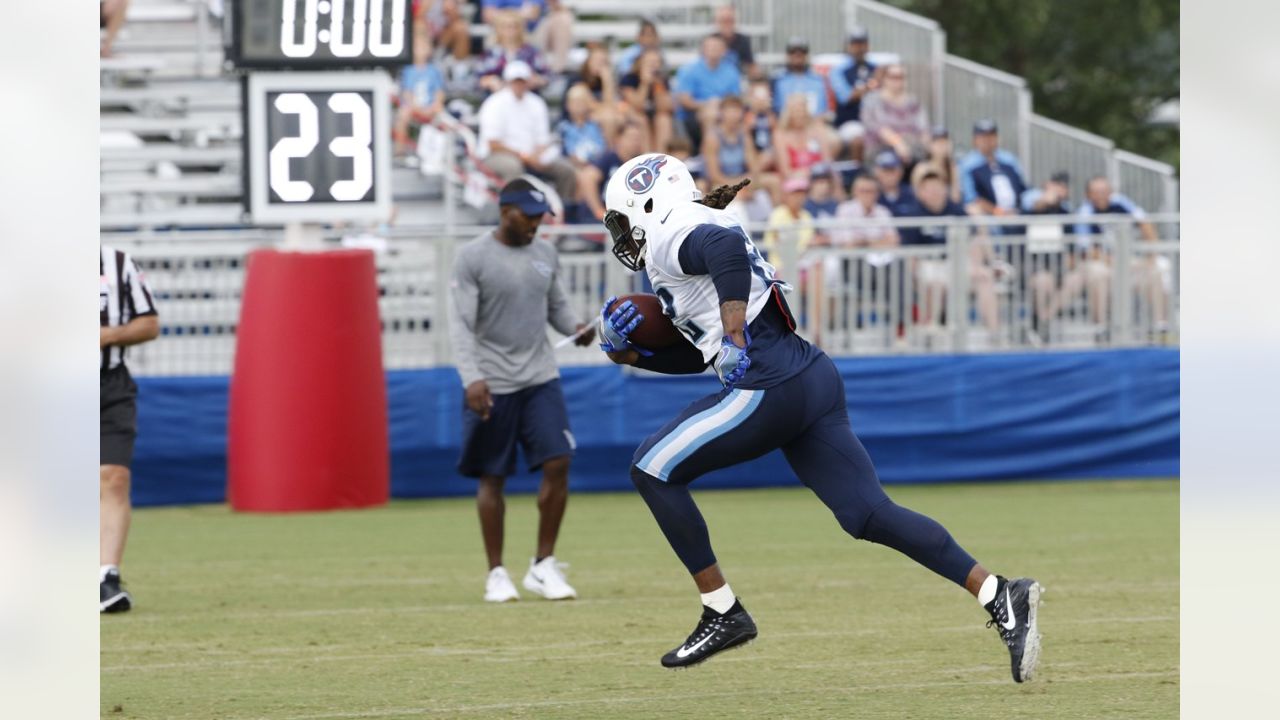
x=777, y=352
x=998, y=183
x=844, y=81
x=901, y=204
x=936, y=235
x=821, y=208
x=608, y=163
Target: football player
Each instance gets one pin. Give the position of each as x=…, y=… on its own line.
x=779, y=393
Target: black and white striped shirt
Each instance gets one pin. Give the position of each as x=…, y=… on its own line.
x=123, y=296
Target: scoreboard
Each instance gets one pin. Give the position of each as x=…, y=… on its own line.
x=318, y=146
x=317, y=105
x=273, y=34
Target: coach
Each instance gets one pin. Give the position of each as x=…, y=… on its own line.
x=128, y=317
x=505, y=288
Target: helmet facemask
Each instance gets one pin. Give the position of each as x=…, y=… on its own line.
x=628, y=242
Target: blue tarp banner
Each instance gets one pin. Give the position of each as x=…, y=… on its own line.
x=935, y=418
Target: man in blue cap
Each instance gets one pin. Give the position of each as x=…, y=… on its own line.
x=991, y=178
x=505, y=288
x=850, y=83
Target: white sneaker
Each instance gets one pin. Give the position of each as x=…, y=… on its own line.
x=546, y=579
x=498, y=587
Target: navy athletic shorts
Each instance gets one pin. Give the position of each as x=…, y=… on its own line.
x=534, y=417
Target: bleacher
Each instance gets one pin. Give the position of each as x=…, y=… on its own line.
x=170, y=112
x=171, y=159
x=170, y=127
x=170, y=121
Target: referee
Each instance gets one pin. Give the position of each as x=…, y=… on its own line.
x=128, y=318
x=505, y=289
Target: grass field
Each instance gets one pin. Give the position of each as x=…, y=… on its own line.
x=377, y=614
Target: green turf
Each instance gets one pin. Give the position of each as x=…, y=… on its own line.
x=378, y=614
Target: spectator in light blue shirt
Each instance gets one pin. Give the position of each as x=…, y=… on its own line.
x=422, y=92
x=709, y=77
x=800, y=79
x=581, y=138
x=986, y=150
x=1054, y=198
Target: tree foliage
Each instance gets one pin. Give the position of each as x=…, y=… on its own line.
x=1100, y=65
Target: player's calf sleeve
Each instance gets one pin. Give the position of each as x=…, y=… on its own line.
x=920, y=538
x=678, y=517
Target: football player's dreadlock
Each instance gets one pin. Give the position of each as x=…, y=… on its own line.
x=720, y=198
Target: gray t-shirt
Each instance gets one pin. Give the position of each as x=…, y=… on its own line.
x=503, y=297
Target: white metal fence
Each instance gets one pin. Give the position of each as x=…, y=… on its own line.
x=1056, y=147
x=974, y=92
x=1148, y=182
x=1039, y=288
x=821, y=22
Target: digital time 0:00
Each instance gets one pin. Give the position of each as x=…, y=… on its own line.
x=321, y=33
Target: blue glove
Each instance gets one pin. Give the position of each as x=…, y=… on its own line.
x=732, y=363
x=616, y=326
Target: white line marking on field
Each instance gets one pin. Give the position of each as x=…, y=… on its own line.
x=666, y=697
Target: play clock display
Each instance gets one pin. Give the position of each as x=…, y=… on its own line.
x=319, y=33
x=317, y=148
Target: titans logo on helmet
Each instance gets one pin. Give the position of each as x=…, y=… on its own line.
x=643, y=176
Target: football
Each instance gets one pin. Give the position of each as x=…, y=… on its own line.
x=655, y=332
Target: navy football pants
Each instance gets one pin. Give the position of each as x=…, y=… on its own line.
x=806, y=418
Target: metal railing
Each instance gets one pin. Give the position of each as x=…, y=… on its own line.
x=1149, y=183
x=977, y=292
x=1055, y=146
x=821, y=22
x=974, y=92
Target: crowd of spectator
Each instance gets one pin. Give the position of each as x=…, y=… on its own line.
x=852, y=141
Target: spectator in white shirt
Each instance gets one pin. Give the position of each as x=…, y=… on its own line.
x=871, y=226
x=872, y=222
x=515, y=134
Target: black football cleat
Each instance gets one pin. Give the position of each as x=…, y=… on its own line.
x=111, y=597
x=715, y=633
x=1013, y=613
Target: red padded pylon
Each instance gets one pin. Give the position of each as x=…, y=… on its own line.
x=308, y=416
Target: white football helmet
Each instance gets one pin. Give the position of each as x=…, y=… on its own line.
x=640, y=195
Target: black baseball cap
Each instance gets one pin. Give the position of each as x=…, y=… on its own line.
x=797, y=43
x=1060, y=176
x=985, y=126
x=857, y=33
x=530, y=201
